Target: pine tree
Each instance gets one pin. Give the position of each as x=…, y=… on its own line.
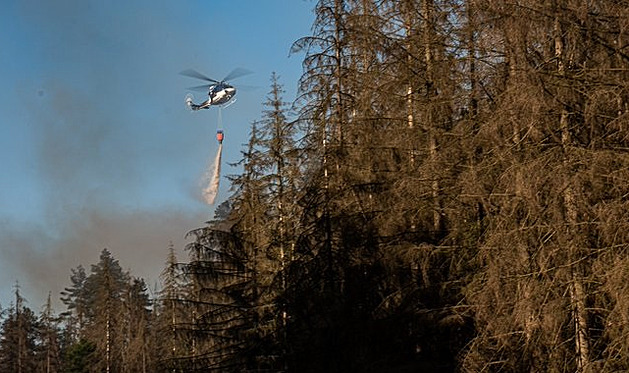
x=49, y=353
x=268, y=218
x=169, y=315
x=106, y=282
x=114, y=310
x=551, y=140
x=382, y=219
x=76, y=299
x=79, y=357
x=19, y=335
x=136, y=322
x=214, y=300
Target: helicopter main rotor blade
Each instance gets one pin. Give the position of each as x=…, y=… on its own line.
x=200, y=88
x=248, y=88
x=195, y=74
x=237, y=73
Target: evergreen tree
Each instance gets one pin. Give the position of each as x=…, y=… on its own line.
x=114, y=310
x=79, y=357
x=106, y=285
x=551, y=140
x=136, y=327
x=49, y=349
x=19, y=335
x=76, y=299
x=169, y=316
x=267, y=225
x=451, y=197
x=374, y=218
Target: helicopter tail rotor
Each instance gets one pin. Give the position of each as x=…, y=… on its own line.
x=189, y=101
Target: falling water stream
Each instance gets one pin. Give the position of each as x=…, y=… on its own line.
x=213, y=177
x=213, y=174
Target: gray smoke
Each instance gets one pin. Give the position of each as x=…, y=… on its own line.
x=41, y=259
x=117, y=156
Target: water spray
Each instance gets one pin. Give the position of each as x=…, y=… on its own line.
x=213, y=174
x=213, y=177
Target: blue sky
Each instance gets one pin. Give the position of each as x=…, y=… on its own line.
x=97, y=147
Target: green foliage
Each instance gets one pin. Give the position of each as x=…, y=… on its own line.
x=79, y=357
x=109, y=315
x=18, y=345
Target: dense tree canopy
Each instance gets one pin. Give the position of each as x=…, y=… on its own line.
x=448, y=193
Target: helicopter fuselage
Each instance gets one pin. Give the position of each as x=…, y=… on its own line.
x=220, y=94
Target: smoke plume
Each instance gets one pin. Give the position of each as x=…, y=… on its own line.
x=112, y=162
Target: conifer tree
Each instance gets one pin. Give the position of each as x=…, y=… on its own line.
x=19, y=335
x=169, y=315
x=276, y=169
x=106, y=282
x=355, y=201
x=49, y=353
x=76, y=299
x=456, y=201
x=114, y=311
x=136, y=328
x=215, y=302
x=543, y=239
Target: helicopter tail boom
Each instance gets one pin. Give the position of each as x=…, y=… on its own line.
x=192, y=106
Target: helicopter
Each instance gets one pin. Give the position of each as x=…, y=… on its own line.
x=219, y=92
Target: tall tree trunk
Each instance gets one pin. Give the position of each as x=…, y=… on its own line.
x=340, y=110
x=428, y=34
x=108, y=343
x=471, y=57
x=408, y=18
x=21, y=343
x=577, y=292
x=408, y=27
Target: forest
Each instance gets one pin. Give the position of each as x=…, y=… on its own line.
x=449, y=192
